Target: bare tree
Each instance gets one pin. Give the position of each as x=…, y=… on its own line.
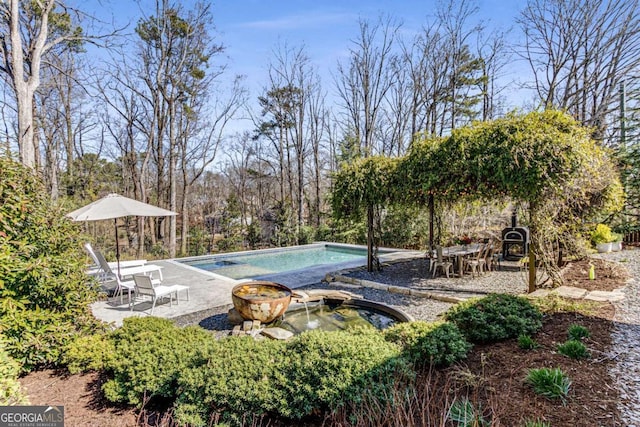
x=175, y=48
x=202, y=132
x=579, y=51
x=292, y=109
x=31, y=30
x=365, y=80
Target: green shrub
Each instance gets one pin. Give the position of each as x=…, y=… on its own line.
x=314, y=372
x=438, y=343
x=89, y=353
x=10, y=390
x=495, y=317
x=525, y=342
x=326, y=370
x=38, y=338
x=230, y=379
x=149, y=356
x=44, y=292
x=602, y=234
x=551, y=383
x=573, y=349
x=306, y=234
x=236, y=378
x=578, y=332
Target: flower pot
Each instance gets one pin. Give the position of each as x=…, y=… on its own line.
x=616, y=246
x=604, y=247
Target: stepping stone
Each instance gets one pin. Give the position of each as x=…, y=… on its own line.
x=539, y=293
x=571, y=292
x=277, y=333
x=604, y=296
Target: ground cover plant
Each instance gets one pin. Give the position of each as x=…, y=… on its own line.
x=549, y=382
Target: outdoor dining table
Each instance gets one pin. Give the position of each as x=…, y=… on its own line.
x=459, y=253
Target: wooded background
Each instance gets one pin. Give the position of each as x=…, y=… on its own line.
x=152, y=119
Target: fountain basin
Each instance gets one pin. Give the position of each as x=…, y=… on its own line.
x=261, y=300
x=333, y=312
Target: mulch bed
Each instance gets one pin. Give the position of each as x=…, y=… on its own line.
x=492, y=376
x=609, y=275
x=500, y=370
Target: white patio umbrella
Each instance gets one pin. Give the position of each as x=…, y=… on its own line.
x=114, y=206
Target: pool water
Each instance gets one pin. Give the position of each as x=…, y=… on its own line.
x=260, y=263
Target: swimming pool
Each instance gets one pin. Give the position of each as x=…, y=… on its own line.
x=263, y=263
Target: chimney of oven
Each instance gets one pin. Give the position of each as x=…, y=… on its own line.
x=513, y=219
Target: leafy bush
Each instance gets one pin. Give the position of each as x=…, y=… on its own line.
x=495, y=317
x=149, y=356
x=10, y=391
x=438, y=343
x=573, y=349
x=525, y=342
x=325, y=370
x=44, y=292
x=315, y=371
x=306, y=234
x=551, y=383
x=89, y=353
x=603, y=234
x=238, y=377
x=578, y=332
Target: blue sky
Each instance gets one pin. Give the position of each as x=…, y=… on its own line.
x=252, y=29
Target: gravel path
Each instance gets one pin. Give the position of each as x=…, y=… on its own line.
x=626, y=335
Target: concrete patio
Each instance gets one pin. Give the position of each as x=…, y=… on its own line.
x=208, y=290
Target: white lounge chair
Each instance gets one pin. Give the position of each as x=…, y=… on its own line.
x=144, y=286
x=122, y=284
x=97, y=270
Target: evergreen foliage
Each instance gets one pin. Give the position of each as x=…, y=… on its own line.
x=424, y=343
x=495, y=317
x=44, y=292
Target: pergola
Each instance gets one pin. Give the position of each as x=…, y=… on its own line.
x=545, y=160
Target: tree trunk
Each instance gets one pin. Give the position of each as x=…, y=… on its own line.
x=370, y=238
x=184, y=233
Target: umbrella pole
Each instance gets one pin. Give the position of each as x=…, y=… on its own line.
x=115, y=223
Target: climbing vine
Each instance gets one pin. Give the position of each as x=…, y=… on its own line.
x=544, y=160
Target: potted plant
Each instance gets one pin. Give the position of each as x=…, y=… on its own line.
x=464, y=240
x=616, y=245
x=602, y=238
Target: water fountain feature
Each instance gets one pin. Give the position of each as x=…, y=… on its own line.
x=276, y=306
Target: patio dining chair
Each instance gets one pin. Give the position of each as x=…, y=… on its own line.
x=477, y=262
x=490, y=258
x=440, y=262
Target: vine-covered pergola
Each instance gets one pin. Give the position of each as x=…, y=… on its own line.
x=544, y=160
